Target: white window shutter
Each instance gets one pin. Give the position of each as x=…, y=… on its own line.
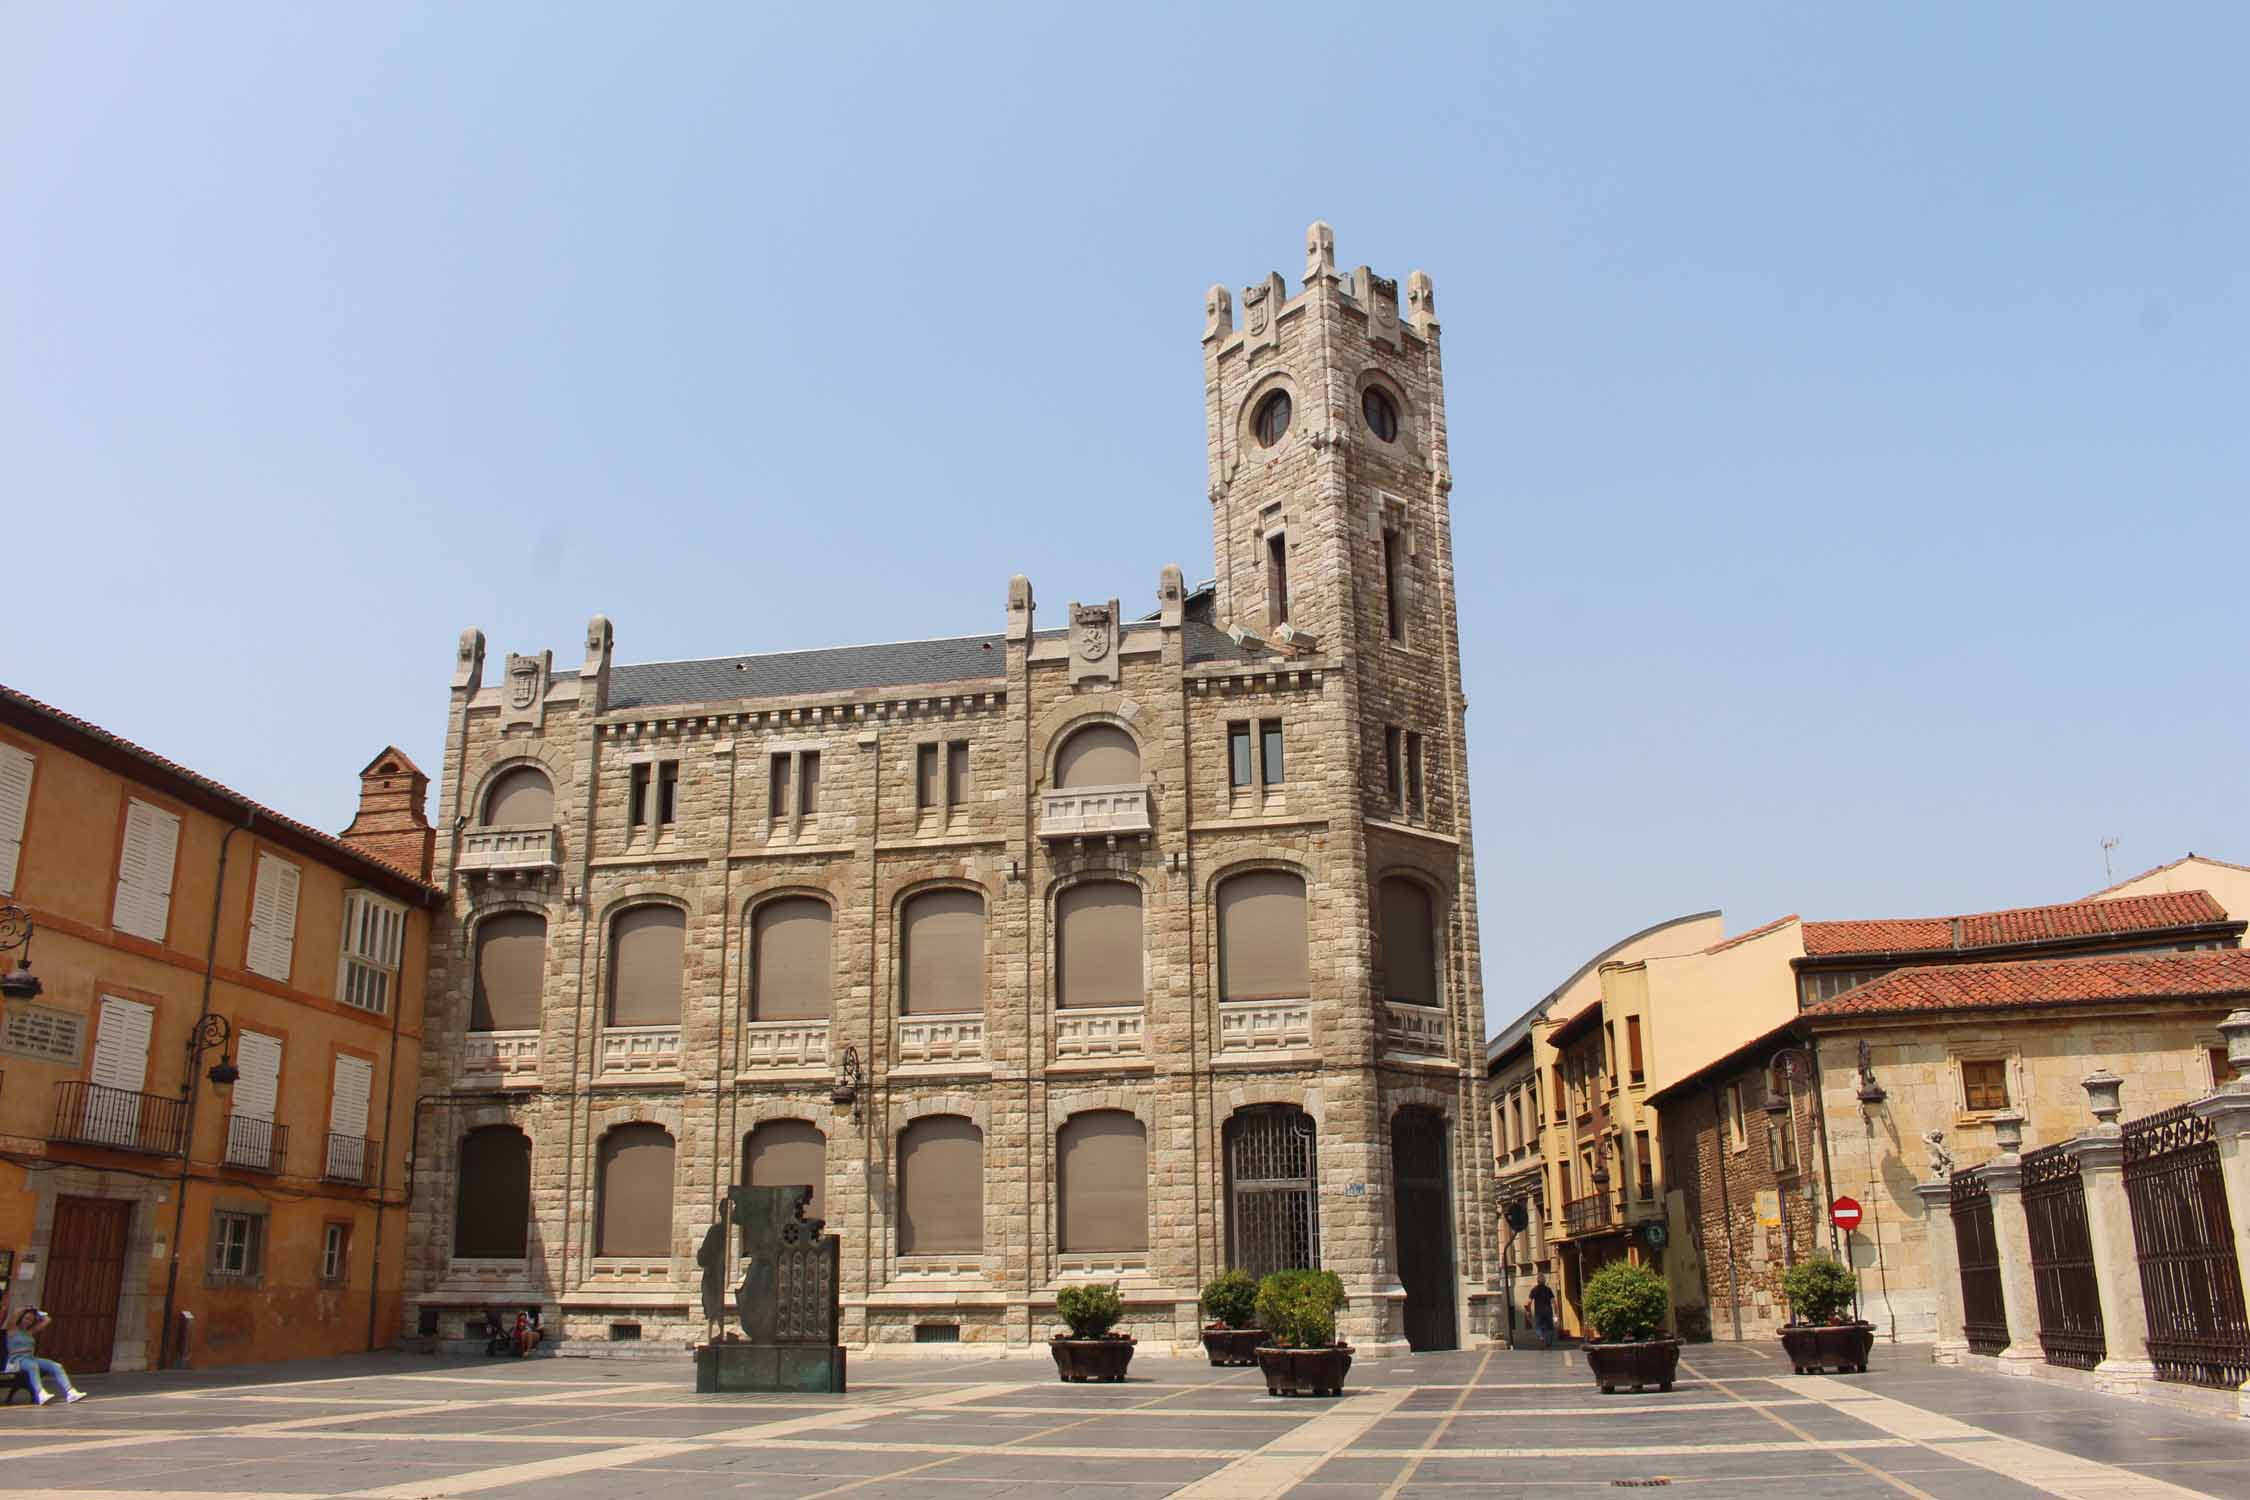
x=121, y=1044
x=259, y=1058
x=273, y=918
x=347, y=1106
x=15, y=804
x=144, y=871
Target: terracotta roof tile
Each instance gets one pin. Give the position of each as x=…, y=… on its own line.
x=2116, y=917
x=2218, y=974
x=1755, y=932
x=2173, y=864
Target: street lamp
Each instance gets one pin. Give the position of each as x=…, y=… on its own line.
x=213, y=1031
x=18, y=983
x=850, y=1079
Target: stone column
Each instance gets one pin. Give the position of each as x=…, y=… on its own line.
x=2125, y=1367
x=2003, y=1175
x=1945, y=1268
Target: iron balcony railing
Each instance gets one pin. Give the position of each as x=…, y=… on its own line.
x=351, y=1159
x=256, y=1145
x=90, y=1114
x=1594, y=1211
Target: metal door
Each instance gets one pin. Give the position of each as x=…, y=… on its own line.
x=1422, y=1212
x=1272, y=1222
x=85, y=1274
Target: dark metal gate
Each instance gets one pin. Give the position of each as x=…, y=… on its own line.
x=2062, y=1259
x=1422, y=1210
x=1272, y=1220
x=2183, y=1237
x=1984, y=1309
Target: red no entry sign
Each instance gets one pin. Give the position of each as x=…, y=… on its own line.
x=1844, y=1213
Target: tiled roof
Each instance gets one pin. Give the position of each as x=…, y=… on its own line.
x=181, y=776
x=2224, y=864
x=842, y=669
x=2217, y=974
x=1755, y=932
x=2117, y=917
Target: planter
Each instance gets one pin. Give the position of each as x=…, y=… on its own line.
x=1233, y=1346
x=1092, y=1359
x=1305, y=1372
x=1813, y=1347
x=1645, y=1363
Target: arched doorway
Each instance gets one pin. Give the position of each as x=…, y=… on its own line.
x=1422, y=1228
x=1272, y=1220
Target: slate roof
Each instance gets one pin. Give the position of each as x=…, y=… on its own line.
x=844, y=669
x=2115, y=917
x=2216, y=974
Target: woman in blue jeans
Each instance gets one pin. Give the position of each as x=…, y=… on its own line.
x=22, y=1339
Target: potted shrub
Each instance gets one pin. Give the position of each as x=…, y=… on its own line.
x=1303, y=1357
x=1820, y=1291
x=1627, y=1305
x=1232, y=1336
x=1092, y=1350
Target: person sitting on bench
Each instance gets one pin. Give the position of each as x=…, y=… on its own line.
x=23, y=1362
x=528, y=1332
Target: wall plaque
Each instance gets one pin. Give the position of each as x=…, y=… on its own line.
x=44, y=1033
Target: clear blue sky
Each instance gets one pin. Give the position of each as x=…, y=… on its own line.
x=1850, y=405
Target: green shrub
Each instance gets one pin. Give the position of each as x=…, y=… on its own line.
x=1231, y=1299
x=1298, y=1308
x=1091, y=1310
x=1625, y=1302
x=1819, y=1289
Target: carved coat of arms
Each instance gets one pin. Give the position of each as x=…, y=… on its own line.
x=1093, y=635
x=523, y=681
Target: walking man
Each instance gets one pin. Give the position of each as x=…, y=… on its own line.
x=1543, y=1311
x=23, y=1338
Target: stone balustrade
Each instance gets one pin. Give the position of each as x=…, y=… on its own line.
x=514, y=850
x=784, y=1044
x=1106, y=1031
x=1093, y=812
x=939, y=1039
x=484, y=1053
x=1414, y=1030
x=1264, y=1026
x=627, y=1050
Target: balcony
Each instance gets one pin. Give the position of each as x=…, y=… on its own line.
x=1593, y=1212
x=628, y=1050
x=773, y=1045
x=514, y=851
x=1414, y=1030
x=351, y=1159
x=1103, y=1031
x=1257, y=1026
x=500, y=1056
x=939, y=1039
x=256, y=1145
x=1093, y=812
x=88, y=1114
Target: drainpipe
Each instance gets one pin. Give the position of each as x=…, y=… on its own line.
x=190, y=1092
x=383, y=1167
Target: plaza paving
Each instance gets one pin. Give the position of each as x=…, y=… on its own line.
x=1477, y=1423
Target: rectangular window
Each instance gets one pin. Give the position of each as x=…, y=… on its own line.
x=1269, y=751
x=237, y=1244
x=273, y=918
x=667, y=791
x=1609, y=1038
x=144, y=871
x=808, y=784
x=1413, y=775
x=1394, y=586
x=335, y=1252
x=2222, y=1070
x=1984, y=1083
x=1633, y=1047
x=777, y=788
x=374, y=934
x=1394, y=764
x=636, y=808
x=956, y=773
x=1562, y=1108
x=1781, y=1144
x=1738, y=1127
x=1238, y=755
x=1277, y=580
x=15, y=807
x=926, y=789
x=1644, y=1164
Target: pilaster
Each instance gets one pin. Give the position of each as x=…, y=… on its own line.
x=1945, y=1268
x=2003, y=1176
x=2125, y=1367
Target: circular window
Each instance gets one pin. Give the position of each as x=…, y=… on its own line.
x=1273, y=418
x=1381, y=413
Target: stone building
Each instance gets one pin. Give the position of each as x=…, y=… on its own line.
x=1122, y=948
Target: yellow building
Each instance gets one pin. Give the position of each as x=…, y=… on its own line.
x=206, y=1103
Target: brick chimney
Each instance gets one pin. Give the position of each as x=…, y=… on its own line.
x=391, y=826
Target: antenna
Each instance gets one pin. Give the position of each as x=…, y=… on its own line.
x=2109, y=877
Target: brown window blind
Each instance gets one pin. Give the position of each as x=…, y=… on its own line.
x=1394, y=618
x=492, y=1212
x=636, y=1192
x=1102, y=1157
x=777, y=787
x=788, y=1153
x=1633, y=1047
x=808, y=783
x=940, y=1187
x=792, y=968
x=1409, y=946
x=925, y=776
x=1985, y=1084
x=1645, y=1165
x=1262, y=938
x=522, y=798
x=1098, y=944
x=956, y=773
x=1099, y=755
x=942, y=934
x=1238, y=754
x=648, y=946
x=511, y=962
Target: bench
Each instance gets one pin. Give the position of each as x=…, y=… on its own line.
x=19, y=1384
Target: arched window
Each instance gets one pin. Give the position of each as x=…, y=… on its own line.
x=1101, y=1158
x=1273, y=419
x=1098, y=944
x=647, y=949
x=791, y=966
x=942, y=935
x=1381, y=412
x=521, y=798
x=1262, y=937
x=1409, y=942
x=1098, y=755
x=1273, y=1215
x=492, y=1211
x=787, y=1153
x=940, y=1186
x=511, y=962
x=635, y=1188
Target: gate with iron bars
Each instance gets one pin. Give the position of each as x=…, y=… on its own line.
x=1984, y=1309
x=2183, y=1237
x=2062, y=1258
x=1272, y=1220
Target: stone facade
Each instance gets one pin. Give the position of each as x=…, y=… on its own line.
x=1367, y=655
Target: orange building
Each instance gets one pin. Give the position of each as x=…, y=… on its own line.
x=205, y=1110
